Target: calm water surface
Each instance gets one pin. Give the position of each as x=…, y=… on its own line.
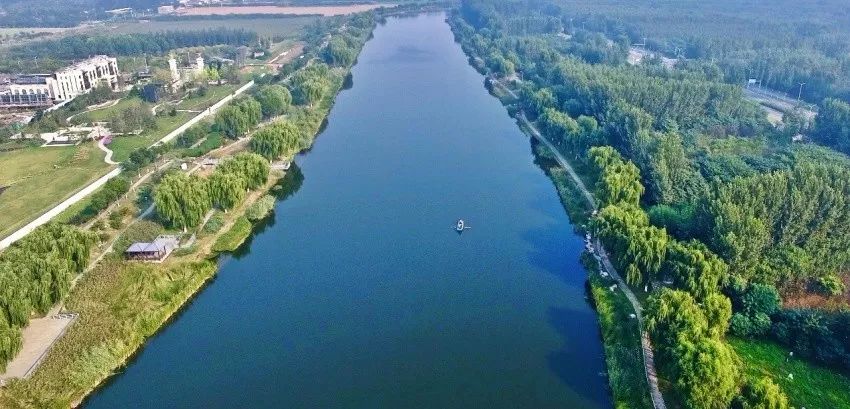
x=360, y=295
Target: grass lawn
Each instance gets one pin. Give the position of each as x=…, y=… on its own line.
x=122, y=146
x=213, y=95
x=231, y=239
x=39, y=178
x=813, y=386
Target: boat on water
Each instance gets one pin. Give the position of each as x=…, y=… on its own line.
x=461, y=226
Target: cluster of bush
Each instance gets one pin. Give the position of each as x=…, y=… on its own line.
x=111, y=191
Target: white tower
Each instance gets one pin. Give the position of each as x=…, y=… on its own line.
x=199, y=64
x=172, y=66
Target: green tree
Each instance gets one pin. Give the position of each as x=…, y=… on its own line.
x=277, y=140
x=274, y=100
x=832, y=125
x=226, y=190
x=182, y=200
x=762, y=394
x=252, y=168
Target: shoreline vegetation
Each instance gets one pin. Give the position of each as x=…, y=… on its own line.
x=619, y=331
x=669, y=181
x=122, y=304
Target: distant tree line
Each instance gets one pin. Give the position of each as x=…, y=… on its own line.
x=80, y=46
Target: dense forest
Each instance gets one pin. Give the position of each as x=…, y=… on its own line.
x=702, y=200
x=780, y=43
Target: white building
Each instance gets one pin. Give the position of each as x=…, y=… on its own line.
x=63, y=85
x=180, y=75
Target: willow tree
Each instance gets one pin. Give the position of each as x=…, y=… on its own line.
x=251, y=167
x=693, y=267
x=10, y=342
x=639, y=247
x=276, y=140
x=226, y=190
x=618, y=180
x=708, y=373
x=182, y=200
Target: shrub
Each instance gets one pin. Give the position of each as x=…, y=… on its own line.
x=761, y=394
x=237, y=234
x=100, y=200
x=760, y=298
x=115, y=220
x=830, y=285
x=260, y=208
x=214, y=224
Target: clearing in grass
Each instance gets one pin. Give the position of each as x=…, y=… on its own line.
x=809, y=385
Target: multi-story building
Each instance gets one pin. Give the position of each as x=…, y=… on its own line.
x=63, y=85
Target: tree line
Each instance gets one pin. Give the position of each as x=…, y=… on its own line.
x=35, y=273
x=736, y=212
x=183, y=200
x=79, y=46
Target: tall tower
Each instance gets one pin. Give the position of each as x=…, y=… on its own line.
x=199, y=64
x=172, y=66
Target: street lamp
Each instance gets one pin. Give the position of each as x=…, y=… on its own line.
x=800, y=94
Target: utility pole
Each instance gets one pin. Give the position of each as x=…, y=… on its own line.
x=800, y=94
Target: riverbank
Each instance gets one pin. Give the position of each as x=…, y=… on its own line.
x=578, y=202
x=122, y=304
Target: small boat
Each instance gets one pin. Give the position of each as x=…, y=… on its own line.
x=461, y=226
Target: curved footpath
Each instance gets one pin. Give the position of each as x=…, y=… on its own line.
x=646, y=346
x=80, y=195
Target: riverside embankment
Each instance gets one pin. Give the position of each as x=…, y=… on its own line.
x=358, y=293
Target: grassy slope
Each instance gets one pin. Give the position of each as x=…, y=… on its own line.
x=120, y=305
x=812, y=387
x=40, y=178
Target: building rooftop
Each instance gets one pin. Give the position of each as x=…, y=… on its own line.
x=161, y=244
x=88, y=63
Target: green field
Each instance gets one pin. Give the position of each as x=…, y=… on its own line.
x=264, y=26
x=122, y=146
x=812, y=386
x=40, y=178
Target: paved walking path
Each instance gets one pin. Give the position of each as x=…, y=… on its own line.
x=646, y=346
x=84, y=192
x=108, y=157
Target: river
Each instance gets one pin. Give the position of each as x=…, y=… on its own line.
x=359, y=294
